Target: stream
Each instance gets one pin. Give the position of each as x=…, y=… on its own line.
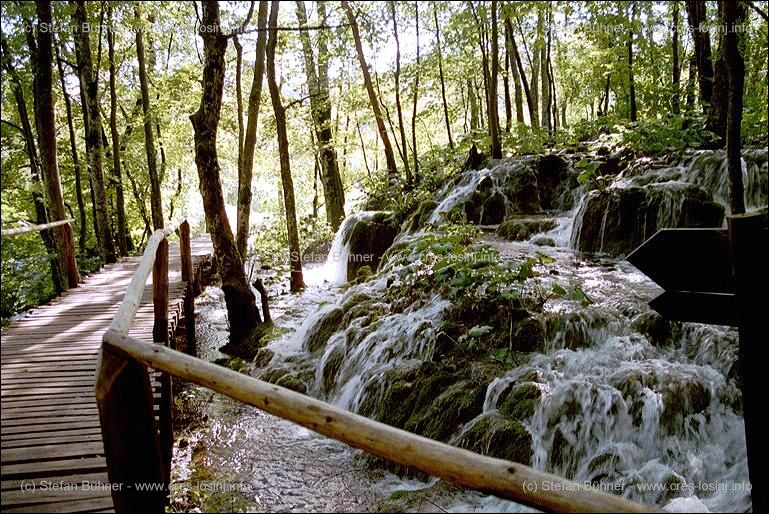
x=638, y=408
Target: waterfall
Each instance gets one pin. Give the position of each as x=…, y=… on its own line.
x=335, y=268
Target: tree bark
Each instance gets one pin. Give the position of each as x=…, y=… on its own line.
x=532, y=97
x=83, y=221
x=246, y=173
x=441, y=76
x=544, y=77
x=320, y=107
x=496, y=143
x=697, y=14
x=241, y=302
x=297, y=280
x=719, y=102
x=392, y=168
x=123, y=237
x=46, y=129
x=675, y=103
x=734, y=16
x=473, y=101
x=89, y=82
x=521, y=74
x=506, y=90
x=415, y=99
x=513, y=58
x=631, y=76
x=398, y=106
x=156, y=200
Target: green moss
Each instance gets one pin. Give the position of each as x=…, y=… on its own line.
x=420, y=217
x=450, y=410
x=293, y=382
x=323, y=329
x=234, y=363
x=364, y=273
x=497, y=436
x=522, y=401
x=355, y=300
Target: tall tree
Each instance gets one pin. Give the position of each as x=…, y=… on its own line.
x=513, y=58
x=46, y=129
x=697, y=14
x=415, y=97
x=83, y=222
x=246, y=171
x=472, y=100
x=441, y=76
x=297, y=280
x=496, y=143
x=522, y=72
x=241, y=302
x=89, y=84
x=398, y=106
x=123, y=237
x=320, y=107
x=675, y=103
x=631, y=75
x=544, y=71
x=373, y=100
x=719, y=101
x=734, y=17
x=156, y=200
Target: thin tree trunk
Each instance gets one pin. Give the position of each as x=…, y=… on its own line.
x=496, y=143
x=320, y=107
x=473, y=101
x=246, y=174
x=506, y=88
x=122, y=226
x=734, y=16
x=389, y=155
x=631, y=76
x=89, y=81
x=46, y=129
x=441, y=76
x=675, y=104
x=156, y=201
x=297, y=280
x=513, y=58
x=416, y=97
x=241, y=302
x=83, y=221
x=697, y=14
x=521, y=74
x=719, y=102
x=363, y=149
x=532, y=97
x=398, y=107
x=544, y=77
x=690, y=82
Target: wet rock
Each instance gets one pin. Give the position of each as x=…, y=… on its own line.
x=364, y=273
x=521, y=402
x=322, y=330
x=680, y=399
x=543, y=241
x=521, y=190
x=369, y=240
x=331, y=367
x=658, y=330
x=618, y=220
x=355, y=300
x=552, y=182
x=293, y=382
x=435, y=498
x=493, y=211
x=529, y=335
x=420, y=217
x=263, y=357
x=497, y=436
x=522, y=229
x=475, y=159
x=451, y=409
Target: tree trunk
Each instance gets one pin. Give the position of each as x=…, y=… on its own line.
x=697, y=14
x=320, y=107
x=241, y=302
x=544, y=72
x=156, y=200
x=415, y=98
x=506, y=88
x=531, y=95
x=473, y=101
x=46, y=129
x=388, y=150
x=442, y=78
x=297, y=280
x=690, y=83
x=398, y=107
x=513, y=58
x=89, y=82
x=83, y=221
x=734, y=16
x=496, y=143
x=522, y=74
x=675, y=104
x=246, y=173
x=631, y=76
x=535, y=68
x=123, y=236
x=719, y=102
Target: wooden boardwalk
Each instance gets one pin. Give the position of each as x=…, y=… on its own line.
x=52, y=451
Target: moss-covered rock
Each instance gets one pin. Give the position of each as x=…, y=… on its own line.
x=322, y=330
x=521, y=402
x=355, y=300
x=293, y=382
x=263, y=357
x=658, y=330
x=331, y=367
x=369, y=240
x=497, y=436
x=420, y=217
x=529, y=336
x=451, y=409
x=552, y=182
x=364, y=273
x=521, y=229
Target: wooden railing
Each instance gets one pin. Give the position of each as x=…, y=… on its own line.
x=138, y=463
x=33, y=228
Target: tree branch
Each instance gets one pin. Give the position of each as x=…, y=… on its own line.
x=11, y=124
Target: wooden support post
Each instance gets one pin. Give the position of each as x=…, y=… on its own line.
x=748, y=244
x=131, y=444
x=187, y=278
x=160, y=336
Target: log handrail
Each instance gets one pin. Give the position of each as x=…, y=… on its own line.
x=134, y=452
x=33, y=228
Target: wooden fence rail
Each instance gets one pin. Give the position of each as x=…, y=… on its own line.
x=33, y=228
x=134, y=446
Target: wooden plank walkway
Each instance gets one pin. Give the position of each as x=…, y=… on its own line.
x=51, y=438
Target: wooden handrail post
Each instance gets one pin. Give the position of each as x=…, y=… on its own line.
x=187, y=278
x=131, y=444
x=160, y=336
x=748, y=244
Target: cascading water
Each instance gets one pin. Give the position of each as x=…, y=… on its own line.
x=631, y=405
x=335, y=268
